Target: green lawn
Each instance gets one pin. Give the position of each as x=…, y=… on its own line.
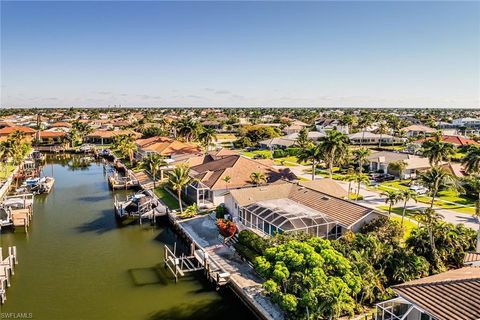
x=251, y=154
x=291, y=161
x=166, y=197
x=460, y=200
x=407, y=224
x=5, y=172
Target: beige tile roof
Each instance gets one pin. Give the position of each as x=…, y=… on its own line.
x=471, y=257
x=239, y=169
x=417, y=127
x=451, y=295
x=328, y=186
x=167, y=146
x=345, y=212
x=111, y=133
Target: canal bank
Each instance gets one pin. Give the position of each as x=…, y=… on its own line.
x=78, y=263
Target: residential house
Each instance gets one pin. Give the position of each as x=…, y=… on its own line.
x=5, y=132
x=105, y=137
x=277, y=143
x=166, y=147
x=472, y=259
x=451, y=295
x=209, y=187
x=325, y=124
x=467, y=122
x=290, y=207
x=295, y=127
x=457, y=141
x=50, y=137
x=418, y=130
x=380, y=161
x=373, y=138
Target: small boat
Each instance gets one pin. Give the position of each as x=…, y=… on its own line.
x=105, y=153
x=39, y=185
x=138, y=205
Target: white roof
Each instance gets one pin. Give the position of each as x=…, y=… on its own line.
x=366, y=135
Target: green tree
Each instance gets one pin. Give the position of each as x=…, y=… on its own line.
x=153, y=163
x=471, y=161
x=359, y=179
x=391, y=198
x=429, y=218
x=310, y=154
x=397, y=167
x=360, y=156
x=334, y=149
x=303, y=141
x=258, y=178
x=178, y=179
x=206, y=137
x=381, y=130
x=436, y=150
x=437, y=179
x=405, y=196
x=473, y=184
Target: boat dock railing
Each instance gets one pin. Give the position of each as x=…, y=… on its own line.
x=7, y=269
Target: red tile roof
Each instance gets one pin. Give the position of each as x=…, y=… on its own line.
x=455, y=140
x=8, y=130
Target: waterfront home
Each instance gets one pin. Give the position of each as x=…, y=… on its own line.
x=60, y=126
x=380, y=162
x=105, y=137
x=457, y=141
x=467, y=122
x=50, y=137
x=166, y=147
x=417, y=130
x=210, y=184
x=451, y=295
x=290, y=207
x=372, y=138
x=327, y=186
x=5, y=132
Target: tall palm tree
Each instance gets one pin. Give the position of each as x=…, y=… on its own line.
x=17, y=136
x=366, y=120
x=153, y=163
x=258, y=178
x=350, y=177
x=334, y=149
x=429, y=218
x=382, y=129
x=178, y=179
x=359, y=179
x=406, y=195
x=127, y=148
x=436, y=150
x=392, y=197
x=360, y=156
x=311, y=153
x=471, y=161
x=187, y=128
x=437, y=179
x=82, y=129
x=206, y=137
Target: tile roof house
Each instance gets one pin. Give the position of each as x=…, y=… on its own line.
x=9, y=130
x=451, y=295
x=103, y=137
x=290, y=207
x=209, y=187
x=379, y=162
x=417, y=130
x=457, y=141
x=166, y=147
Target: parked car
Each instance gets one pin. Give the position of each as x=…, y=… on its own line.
x=419, y=189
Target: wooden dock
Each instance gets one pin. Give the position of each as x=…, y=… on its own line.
x=7, y=269
x=128, y=182
x=17, y=211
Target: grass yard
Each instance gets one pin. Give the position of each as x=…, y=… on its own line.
x=287, y=161
x=251, y=154
x=166, y=197
x=226, y=136
x=407, y=224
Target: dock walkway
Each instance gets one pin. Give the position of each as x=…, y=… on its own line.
x=244, y=280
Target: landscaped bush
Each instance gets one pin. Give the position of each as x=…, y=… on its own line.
x=245, y=252
x=227, y=228
x=252, y=241
x=282, y=153
x=220, y=212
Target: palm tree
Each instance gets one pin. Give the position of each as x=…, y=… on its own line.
x=366, y=120
x=406, y=195
x=127, y=148
x=311, y=153
x=350, y=177
x=153, y=163
x=382, y=129
x=334, y=149
x=82, y=129
x=258, y=178
x=471, y=161
x=392, y=197
x=359, y=179
x=17, y=136
x=178, y=179
x=360, y=156
x=227, y=180
x=437, y=179
x=436, y=150
x=187, y=128
x=206, y=137
x=429, y=218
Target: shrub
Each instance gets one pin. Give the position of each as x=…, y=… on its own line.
x=220, y=212
x=252, y=241
x=227, y=228
x=245, y=252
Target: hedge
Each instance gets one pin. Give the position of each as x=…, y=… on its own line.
x=252, y=241
x=288, y=152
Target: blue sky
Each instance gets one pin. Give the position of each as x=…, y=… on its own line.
x=413, y=54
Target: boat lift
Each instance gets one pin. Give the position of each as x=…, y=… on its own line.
x=7, y=266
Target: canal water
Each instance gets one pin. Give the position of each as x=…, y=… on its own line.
x=77, y=262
